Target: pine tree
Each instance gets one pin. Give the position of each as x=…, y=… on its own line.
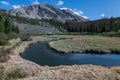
x=8, y=25
x=2, y=27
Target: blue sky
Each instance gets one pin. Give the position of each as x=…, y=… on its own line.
x=93, y=9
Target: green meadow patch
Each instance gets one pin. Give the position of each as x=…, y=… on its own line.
x=87, y=44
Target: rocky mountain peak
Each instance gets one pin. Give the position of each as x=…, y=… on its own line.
x=46, y=11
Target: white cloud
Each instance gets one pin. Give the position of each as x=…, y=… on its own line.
x=5, y=3
x=103, y=15
x=60, y=3
x=16, y=6
x=36, y=2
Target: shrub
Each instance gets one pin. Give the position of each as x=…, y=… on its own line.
x=12, y=35
x=16, y=74
x=26, y=38
x=1, y=72
x=3, y=42
x=5, y=37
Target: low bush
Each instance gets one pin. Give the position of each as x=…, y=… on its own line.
x=3, y=42
x=26, y=38
x=12, y=35
x=5, y=37
x=1, y=72
x=16, y=74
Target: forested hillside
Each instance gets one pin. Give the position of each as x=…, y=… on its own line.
x=98, y=26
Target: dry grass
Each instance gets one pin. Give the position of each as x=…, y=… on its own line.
x=97, y=44
x=5, y=50
x=12, y=42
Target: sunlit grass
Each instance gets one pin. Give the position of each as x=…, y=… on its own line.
x=86, y=43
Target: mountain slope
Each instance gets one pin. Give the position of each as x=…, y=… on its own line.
x=45, y=11
x=43, y=19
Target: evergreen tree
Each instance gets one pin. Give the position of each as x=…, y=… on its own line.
x=2, y=27
x=8, y=25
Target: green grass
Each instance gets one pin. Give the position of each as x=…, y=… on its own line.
x=109, y=34
x=47, y=38
x=87, y=43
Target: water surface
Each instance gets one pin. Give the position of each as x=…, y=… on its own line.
x=41, y=54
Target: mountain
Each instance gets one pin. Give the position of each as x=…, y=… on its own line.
x=42, y=19
x=46, y=11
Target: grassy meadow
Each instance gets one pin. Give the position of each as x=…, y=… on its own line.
x=87, y=44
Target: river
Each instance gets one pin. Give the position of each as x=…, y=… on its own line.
x=42, y=54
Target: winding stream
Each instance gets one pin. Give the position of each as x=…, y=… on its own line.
x=42, y=54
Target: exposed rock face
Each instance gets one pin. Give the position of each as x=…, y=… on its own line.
x=37, y=29
x=41, y=11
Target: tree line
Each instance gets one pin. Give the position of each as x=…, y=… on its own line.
x=97, y=26
x=6, y=25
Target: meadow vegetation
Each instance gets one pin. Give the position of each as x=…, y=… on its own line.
x=87, y=44
x=5, y=50
x=1, y=71
x=12, y=75
x=16, y=74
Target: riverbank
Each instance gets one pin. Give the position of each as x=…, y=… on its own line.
x=5, y=49
x=74, y=72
